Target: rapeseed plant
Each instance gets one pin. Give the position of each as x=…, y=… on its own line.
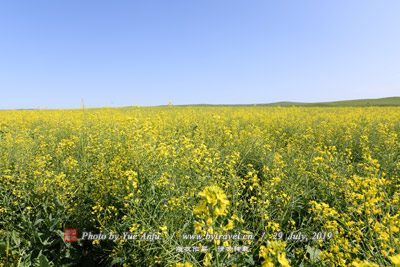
x=331, y=174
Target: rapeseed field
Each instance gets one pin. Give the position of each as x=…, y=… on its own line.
x=200, y=186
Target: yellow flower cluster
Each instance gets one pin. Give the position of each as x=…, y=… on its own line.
x=216, y=198
x=274, y=253
x=212, y=207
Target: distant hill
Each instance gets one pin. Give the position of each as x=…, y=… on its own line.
x=387, y=101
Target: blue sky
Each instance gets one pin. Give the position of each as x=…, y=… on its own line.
x=124, y=53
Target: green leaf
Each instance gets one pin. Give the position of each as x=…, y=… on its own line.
x=3, y=247
x=43, y=261
x=37, y=222
x=314, y=254
x=15, y=238
x=115, y=261
x=54, y=223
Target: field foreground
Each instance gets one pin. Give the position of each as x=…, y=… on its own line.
x=200, y=186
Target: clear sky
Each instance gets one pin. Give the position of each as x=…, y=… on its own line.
x=124, y=53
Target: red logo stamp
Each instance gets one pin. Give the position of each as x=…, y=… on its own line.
x=70, y=235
